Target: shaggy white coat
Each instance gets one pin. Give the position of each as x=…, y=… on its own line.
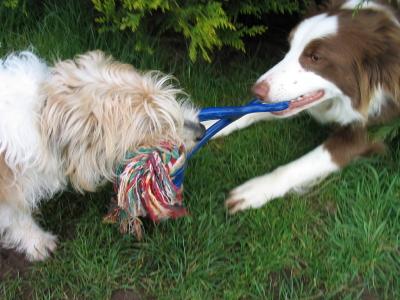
x=71, y=124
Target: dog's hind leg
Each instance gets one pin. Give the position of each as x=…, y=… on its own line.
x=17, y=227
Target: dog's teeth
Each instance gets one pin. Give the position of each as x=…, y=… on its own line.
x=300, y=98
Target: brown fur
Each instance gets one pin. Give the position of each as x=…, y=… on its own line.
x=5, y=179
x=361, y=57
x=351, y=142
x=8, y=189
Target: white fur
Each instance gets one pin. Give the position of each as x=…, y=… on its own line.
x=20, y=141
x=298, y=174
x=20, y=231
x=20, y=76
x=336, y=110
x=288, y=79
x=72, y=123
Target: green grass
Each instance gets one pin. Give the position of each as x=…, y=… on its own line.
x=339, y=241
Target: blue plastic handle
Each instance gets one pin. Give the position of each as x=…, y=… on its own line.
x=235, y=112
x=226, y=115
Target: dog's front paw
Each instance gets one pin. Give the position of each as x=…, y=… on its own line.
x=40, y=245
x=255, y=193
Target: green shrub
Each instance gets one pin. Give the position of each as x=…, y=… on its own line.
x=205, y=25
x=11, y=3
x=15, y=9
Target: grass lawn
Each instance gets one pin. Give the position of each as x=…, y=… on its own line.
x=339, y=241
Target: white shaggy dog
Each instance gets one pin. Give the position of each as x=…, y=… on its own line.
x=71, y=124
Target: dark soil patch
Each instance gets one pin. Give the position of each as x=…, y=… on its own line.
x=12, y=264
x=369, y=295
x=126, y=295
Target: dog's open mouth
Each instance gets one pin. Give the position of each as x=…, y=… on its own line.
x=301, y=101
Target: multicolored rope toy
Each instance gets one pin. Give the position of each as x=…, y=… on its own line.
x=144, y=187
x=150, y=181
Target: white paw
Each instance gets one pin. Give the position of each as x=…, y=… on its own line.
x=39, y=245
x=255, y=193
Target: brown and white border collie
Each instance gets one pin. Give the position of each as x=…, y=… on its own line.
x=343, y=67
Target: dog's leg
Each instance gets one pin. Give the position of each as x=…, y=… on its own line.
x=258, y=191
x=335, y=153
x=18, y=229
x=241, y=123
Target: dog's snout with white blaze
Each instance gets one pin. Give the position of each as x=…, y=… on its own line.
x=294, y=78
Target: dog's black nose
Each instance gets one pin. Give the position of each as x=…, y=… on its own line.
x=200, y=132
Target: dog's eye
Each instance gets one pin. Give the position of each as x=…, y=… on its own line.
x=315, y=57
